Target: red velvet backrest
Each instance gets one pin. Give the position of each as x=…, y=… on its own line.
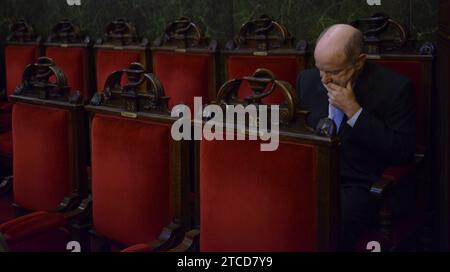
x=414, y=70
x=257, y=201
x=17, y=57
x=109, y=61
x=41, y=156
x=72, y=61
x=184, y=76
x=284, y=67
x=131, y=179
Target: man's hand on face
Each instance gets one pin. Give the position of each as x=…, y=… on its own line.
x=343, y=98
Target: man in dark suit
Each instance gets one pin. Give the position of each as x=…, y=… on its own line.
x=373, y=109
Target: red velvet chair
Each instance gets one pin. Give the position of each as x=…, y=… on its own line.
x=285, y=200
x=119, y=46
x=140, y=176
x=184, y=61
x=49, y=182
x=70, y=50
x=22, y=47
x=400, y=55
x=264, y=43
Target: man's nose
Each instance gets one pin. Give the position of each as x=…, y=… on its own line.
x=325, y=78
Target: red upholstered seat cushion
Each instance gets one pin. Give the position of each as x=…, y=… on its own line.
x=397, y=173
x=72, y=62
x=184, y=76
x=284, y=67
x=53, y=240
x=109, y=61
x=41, y=156
x=257, y=201
x=6, y=144
x=31, y=225
x=17, y=57
x=130, y=179
x=413, y=70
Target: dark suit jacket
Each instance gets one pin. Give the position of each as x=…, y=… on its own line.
x=383, y=135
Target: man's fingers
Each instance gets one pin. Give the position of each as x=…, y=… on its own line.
x=326, y=87
x=334, y=87
x=331, y=99
x=349, y=85
x=330, y=90
x=333, y=102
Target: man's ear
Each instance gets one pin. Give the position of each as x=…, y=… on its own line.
x=360, y=61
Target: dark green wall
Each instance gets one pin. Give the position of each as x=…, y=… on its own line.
x=221, y=19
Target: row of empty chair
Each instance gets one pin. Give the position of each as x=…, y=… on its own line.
x=181, y=52
x=137, y=169
x=140, y=185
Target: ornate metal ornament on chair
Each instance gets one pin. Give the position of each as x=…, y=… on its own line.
x=264, y=33
x=264, y=43
x=22, y=31
x=385, y=35
x=263, y=83
x=130, y=96
x=37, y=82
x=183, y=33
x=121, y=32
x=67, y=32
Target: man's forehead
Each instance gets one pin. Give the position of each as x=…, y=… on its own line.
x=338, y=33
x=329, y=58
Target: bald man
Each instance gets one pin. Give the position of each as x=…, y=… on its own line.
x=373, y=109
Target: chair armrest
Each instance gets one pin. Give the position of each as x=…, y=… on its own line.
x=170, y=236
x=137, y=248
x=381, y=188
x=23, y=227
x=69, y=203
x=191, y=242
x=392, y=177
x=82, y=213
